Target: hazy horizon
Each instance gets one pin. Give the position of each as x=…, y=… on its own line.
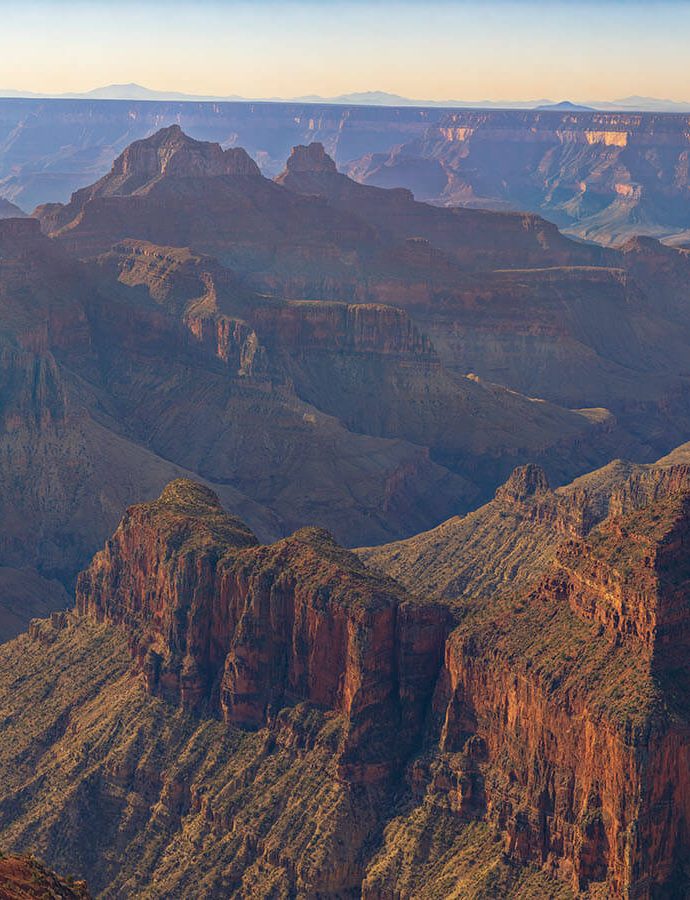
x=132, y=90
x=500, y=50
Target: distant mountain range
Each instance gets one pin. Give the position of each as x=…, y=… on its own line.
x=134, y=91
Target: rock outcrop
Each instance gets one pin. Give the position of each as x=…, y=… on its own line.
x=220, y=624
x=173, y=153
x=25, y=878
x=311, y=158
x=167, y=154
x=564, y=706
x=590, y=780
x=632, y=581
x=525, y=482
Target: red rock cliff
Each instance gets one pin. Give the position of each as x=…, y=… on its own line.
x=301, y=327
x=558, y=716
x=222, y=624
x=564, y=715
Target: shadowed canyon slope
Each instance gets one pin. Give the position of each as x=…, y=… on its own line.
x=504, y=296
x=301, y=721
x=562, y=321
x=294, y=369
x=153, y=362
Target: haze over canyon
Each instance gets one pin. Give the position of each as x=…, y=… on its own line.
x=602, y=176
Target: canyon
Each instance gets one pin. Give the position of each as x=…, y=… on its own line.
x=300, y=718
x=159, y=326
x=104, y=371
x=604, y=176
x=503, y=296
x=343, y=536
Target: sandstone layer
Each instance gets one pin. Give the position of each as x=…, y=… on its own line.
x=242, y=630
x=590, y=637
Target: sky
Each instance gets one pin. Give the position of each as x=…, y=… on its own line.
x=436, y=50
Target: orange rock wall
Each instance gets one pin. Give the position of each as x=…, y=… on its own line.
x=265, y=627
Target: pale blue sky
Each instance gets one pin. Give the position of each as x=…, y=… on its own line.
x=436, y=50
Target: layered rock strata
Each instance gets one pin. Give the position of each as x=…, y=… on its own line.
x=555, y=714
x=563, y=709
x=221, y=624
